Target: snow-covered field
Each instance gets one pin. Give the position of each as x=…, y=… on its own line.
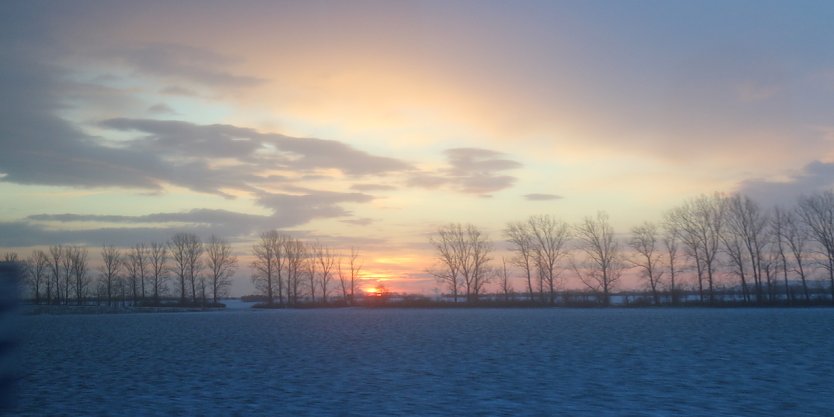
x=472, y=362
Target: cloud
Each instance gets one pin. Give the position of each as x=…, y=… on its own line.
x=813, y=177
x=22, y=234
x=470, y=170
x=296, y=209
x=178, y=139
x=195, y=216
x=176, y=90
x=184, y=63
x=41, y=148
x=268, y=150
x=372, y=187
x=288, y=210
x=364, y=221
x=161, y=108
x=542, y=197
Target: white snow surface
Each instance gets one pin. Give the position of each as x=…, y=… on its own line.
x=432, y=362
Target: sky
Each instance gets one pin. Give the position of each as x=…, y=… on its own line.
x=370, y=124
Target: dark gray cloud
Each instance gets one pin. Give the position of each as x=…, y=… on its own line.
x=814, y=177
x=542, y=197
x=470, y=170
x=184, y=63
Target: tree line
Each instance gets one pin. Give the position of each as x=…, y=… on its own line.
x=285, y=270
x=140, y=274
x=707, y=244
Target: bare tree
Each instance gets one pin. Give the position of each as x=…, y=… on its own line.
x=326, y=265
x=603, y=264
x=745, y=222
x=111, y=259
x=78, y=256
x=475, y=262
x=296, y=254
x=221, y=264
x=505, y=286
x=311, y=268
x=186, y=250
x=733, y=237
x=280, y=262
x=464, y=252
x=769, y=264
x=349, y=279
x=131, y=266
x=700, y=222
x=10, y=257
x=682, y=221
x=37, y=271
x=66, y=273
x=139, y=257
x=264, y=268
x=670, y=244
x=447, y=241
x=549, y=237
x=56, y=255
x=778, y=232
x=519, y=236
x=734, y=248
x=158, y=262
x=817, y=213
x=796, y=238
x=644, y=242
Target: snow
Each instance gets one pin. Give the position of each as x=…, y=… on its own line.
x=365, y=362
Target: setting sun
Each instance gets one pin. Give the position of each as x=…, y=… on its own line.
x=373, y=292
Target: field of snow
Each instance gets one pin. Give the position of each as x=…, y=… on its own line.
x=474, y=362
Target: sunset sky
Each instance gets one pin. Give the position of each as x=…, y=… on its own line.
x=370, y=124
